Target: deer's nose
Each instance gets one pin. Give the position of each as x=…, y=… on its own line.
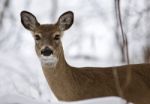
x=46, y=51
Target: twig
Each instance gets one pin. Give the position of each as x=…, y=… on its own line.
x=125, y=47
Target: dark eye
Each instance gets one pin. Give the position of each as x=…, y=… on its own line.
x=37, y=37
x=57, y=37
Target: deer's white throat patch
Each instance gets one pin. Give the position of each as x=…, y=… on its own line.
x=49, y=60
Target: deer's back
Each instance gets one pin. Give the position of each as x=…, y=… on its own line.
x=138, y=89
x=85, y=83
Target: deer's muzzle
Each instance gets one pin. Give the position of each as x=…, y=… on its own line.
x=46, y=51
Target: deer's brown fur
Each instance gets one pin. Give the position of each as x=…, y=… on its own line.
x=71, y=84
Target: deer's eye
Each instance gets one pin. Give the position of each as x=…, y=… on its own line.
x=57, y=37
x=37, y=37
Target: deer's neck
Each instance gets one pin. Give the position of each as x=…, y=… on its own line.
x=58, y=77
x=61, y=64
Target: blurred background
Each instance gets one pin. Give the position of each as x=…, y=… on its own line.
x=93, y=40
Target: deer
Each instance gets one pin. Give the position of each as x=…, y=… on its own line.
x=78, y=83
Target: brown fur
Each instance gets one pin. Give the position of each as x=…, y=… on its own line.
x=70, y=83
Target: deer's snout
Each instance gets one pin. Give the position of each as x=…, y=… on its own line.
x=46, y=51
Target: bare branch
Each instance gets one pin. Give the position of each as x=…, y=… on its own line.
x=124, y=50
x=6, y=4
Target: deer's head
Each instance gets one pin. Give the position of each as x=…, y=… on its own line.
x=47, y=36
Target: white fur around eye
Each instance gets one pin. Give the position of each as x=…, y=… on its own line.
x=57, y=36
x=36, y=35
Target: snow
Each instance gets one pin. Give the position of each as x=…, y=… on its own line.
x=19, y=99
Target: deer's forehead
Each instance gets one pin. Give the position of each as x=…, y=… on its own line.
x=47, y=29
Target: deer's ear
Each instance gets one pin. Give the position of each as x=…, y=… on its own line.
x=28, y=20
x=65, y=20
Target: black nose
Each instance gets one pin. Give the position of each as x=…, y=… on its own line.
x=46, y=51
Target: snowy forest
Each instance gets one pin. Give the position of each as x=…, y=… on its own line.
x=94, y=40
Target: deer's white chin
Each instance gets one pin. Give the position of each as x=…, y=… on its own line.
x=49, y=60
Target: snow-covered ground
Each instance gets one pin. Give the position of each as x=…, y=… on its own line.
x=18, y=99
